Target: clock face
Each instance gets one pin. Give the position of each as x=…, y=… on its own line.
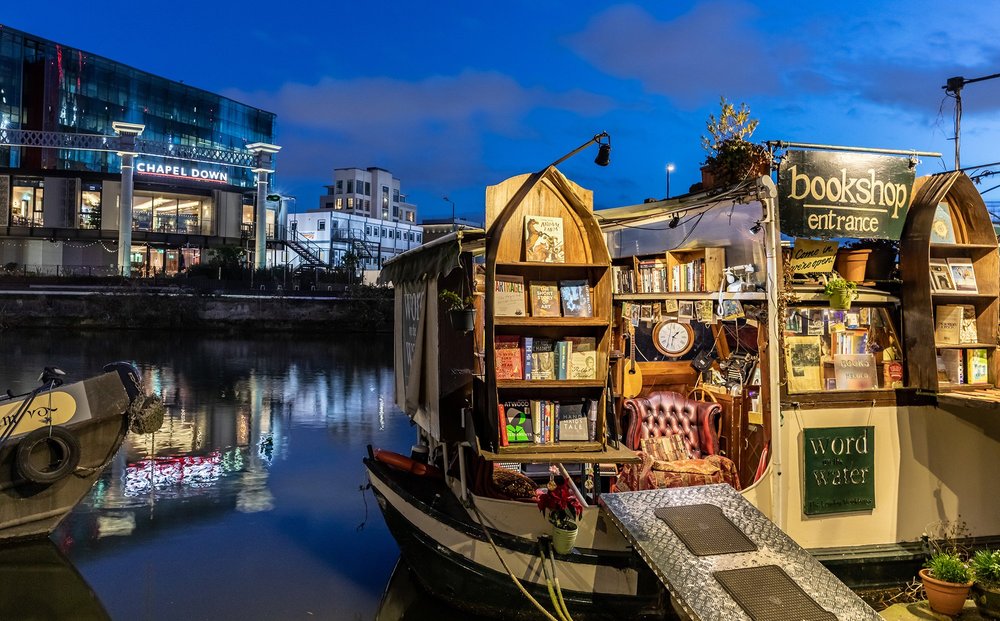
x=672, y=338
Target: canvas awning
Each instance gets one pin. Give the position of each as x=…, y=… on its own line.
x=433, y=259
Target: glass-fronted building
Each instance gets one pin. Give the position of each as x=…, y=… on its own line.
x=71, y=196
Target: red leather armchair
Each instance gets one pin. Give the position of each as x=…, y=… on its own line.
x=665, y=413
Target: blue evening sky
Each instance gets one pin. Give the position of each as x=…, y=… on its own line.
x=454, y=96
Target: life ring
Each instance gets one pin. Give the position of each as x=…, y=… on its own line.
x=404, y=463
x=63, y=447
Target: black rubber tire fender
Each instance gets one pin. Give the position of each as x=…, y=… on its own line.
x=64, y=444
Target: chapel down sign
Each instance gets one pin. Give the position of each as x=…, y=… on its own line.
x=825, y=194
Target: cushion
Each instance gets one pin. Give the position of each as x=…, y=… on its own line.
x=655, y=474
x=666, y=448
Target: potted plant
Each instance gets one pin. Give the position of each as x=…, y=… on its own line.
x=841, y=291
x=985, y=566
x=461, y=311
x=880, y=260
x=947, y=582
x=563, y=509
x=731, y=157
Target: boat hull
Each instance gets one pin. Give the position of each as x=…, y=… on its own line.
x=99, y=424
x=453, y=564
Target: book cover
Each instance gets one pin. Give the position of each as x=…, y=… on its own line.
x=543, y=360
x=582, y=363
x=941, y=279
x=573, y=421
x=518, y=418
x=963, y=274
x=543, y=239
x=502, y=424
x=978, y=366
x=855, y=371
x=948, y=324
x=969, y=333
x=544, y=299
x=563, y=351
x=942, y=229
x=575, y=296
x=953, y=368
x=802, y=359
x=508, y=296
x=509, y=358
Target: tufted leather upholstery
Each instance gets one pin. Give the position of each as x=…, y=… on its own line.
x=664, y=413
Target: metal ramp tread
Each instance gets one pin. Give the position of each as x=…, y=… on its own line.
x=691, y=579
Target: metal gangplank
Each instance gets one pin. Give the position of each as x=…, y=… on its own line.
x=706, y=587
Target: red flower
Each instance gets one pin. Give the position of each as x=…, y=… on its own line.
x=562, y=506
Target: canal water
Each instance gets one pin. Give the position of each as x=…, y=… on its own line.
x=248, y=502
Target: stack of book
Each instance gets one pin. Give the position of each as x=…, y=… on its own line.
x=652, y=276
x=546, y=422
x=688, y=276
x=622, y=279
x=534, y=358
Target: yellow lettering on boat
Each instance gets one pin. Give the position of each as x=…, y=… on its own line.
x=54, y=408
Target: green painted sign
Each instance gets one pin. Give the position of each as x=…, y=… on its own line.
x=826, y=194
x=839, y=469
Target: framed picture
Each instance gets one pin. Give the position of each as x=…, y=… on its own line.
x=685, y=309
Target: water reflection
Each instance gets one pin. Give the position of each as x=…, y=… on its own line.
x=247, y=502
x=38, y=582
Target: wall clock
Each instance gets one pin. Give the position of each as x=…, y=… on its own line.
x=673, y=339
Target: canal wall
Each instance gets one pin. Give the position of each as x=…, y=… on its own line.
x=168, y=310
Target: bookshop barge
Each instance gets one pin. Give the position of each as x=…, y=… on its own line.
x=856, y=427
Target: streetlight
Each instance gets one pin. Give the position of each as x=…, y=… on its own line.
x=670, y=169
x=452, y=211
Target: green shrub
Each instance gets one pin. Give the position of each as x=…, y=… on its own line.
x=985, y=567
x=948, y=567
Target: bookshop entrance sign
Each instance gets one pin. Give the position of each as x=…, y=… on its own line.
x=825, y=194
x=839, y=469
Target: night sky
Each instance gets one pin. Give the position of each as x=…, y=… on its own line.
x=453, y=96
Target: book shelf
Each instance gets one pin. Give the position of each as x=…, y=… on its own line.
x=585, y=261
x=948, y=226
x=676, y=272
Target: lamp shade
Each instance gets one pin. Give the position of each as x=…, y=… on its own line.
x=603, y=155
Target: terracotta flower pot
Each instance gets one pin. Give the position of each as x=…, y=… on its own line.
x=563, y=539
x=947, y=598
x=987, y=600
x=851, y=264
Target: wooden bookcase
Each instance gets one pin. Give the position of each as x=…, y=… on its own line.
x=547, y=194
x=976, y=241
x=711, y=264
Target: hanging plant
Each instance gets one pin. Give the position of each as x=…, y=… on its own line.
x=731, y=156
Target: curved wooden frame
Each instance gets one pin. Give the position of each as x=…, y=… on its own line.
x=977, y=240
x=590, y=256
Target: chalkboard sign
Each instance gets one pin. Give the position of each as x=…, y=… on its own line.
x=823, y=194
x=839, y=469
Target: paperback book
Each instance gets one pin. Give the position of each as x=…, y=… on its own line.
x=941, y=279
x=978, y=366
x=542, y=360
x=575, y=295
x=544, y=299
x=509, y=358
x=948, y=324
x=543, y=239
x=508, y=296
x=963, y=274
x=573, y=421
x=517, y=417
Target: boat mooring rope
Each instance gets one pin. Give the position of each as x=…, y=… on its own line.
x=510, y=573
x=552, y=582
